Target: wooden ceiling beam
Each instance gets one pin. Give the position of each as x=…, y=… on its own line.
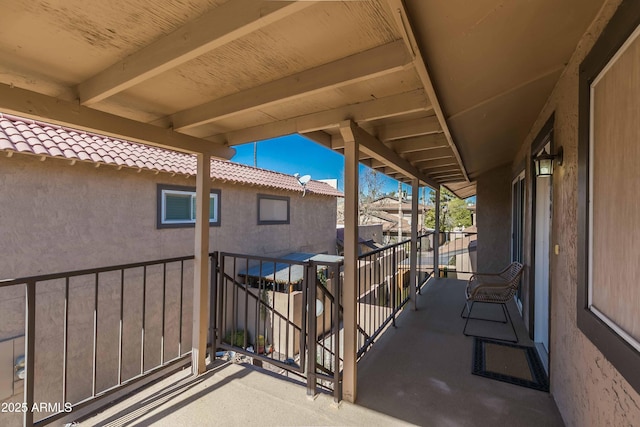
x=404, y=25
x=215, y=28
x=409, y=128
x=448, y=168
x=434, y=154
x=389, y=106
x=327, y=140
x=418, y=143
x=452, y=179
x=446, y=174
x=432, y=166
x=37, y=106
x=365, y=159
x=378, y=61
x=377, y=150
x=405, y=147
x=431, y=163
x=319, y=137
x=462, y=189
x=377, y=164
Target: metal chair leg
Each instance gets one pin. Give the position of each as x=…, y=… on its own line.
x=464, y=331
x=465, y=305
x=513, y=328
x=481, y=318
x=507, y=318
x=505, y=312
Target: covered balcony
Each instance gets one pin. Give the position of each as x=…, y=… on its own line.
x=414, y=363
x=468, y=96
x=417, y=370
x=419, y=373
x=429, y=384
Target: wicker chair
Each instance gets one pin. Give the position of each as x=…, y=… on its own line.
x=498, y=288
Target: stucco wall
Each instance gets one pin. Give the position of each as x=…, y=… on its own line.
x=494, y=218
x=55, y=217
x=65, y=217
x=589, y=391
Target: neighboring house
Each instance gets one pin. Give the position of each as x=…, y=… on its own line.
x=73, y=200
x=86, y=195
x=458, y=253
x=393, y=216
x=370, y=238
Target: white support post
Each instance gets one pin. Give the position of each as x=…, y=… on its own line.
x=415, y=191
x=436, y=237
x=350, y=289
x=201, y=267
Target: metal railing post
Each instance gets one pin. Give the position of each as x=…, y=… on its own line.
x=29, y=352
x=213, y=297
x=419, y=271
x=220, y=324
x=144, y=317
x=312, y=336
x=164, y=312
x=436, y=237
x=65, y=343
x=337, y=289
x=394, y=284
x=94, y=373
x=181, y=298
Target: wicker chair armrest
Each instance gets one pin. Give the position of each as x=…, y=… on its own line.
x=485, y=277
x=484, y=287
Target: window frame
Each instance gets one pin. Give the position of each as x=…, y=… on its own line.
x=518, y=218
x=622, y=355
x=163, y=189
x=273, y=197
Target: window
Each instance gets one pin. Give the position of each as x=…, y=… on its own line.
x=273, y=209
x=177, y=207
x=608, y=156
x=517, y=225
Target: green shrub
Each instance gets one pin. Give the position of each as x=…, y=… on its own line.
x=236, y=339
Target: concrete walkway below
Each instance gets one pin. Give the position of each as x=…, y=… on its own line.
x=417, y=373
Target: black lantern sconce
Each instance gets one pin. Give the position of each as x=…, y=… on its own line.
x=544, y=162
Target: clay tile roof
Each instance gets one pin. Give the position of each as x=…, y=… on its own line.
x=55, y=151
x=70, y=154
x=5, y=144
x=28, y=136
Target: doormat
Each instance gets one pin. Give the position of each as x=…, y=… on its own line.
x=510, y=363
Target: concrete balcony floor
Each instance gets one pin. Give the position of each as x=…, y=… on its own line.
x=417, y=373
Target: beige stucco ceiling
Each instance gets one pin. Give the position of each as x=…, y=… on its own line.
x=494, y=64
x=204, y=75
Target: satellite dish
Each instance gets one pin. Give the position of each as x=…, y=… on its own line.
x=303, y=180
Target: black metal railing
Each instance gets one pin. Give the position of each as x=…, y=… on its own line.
x=284, y=313
x=384, y=285
x=425, y=264
x=141, y=306
x=456, y=252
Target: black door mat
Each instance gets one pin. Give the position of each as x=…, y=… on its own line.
x=511, y=363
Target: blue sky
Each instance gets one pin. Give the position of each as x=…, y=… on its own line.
x=296, y=154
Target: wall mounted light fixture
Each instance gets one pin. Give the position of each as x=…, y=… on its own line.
x=544, y=162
